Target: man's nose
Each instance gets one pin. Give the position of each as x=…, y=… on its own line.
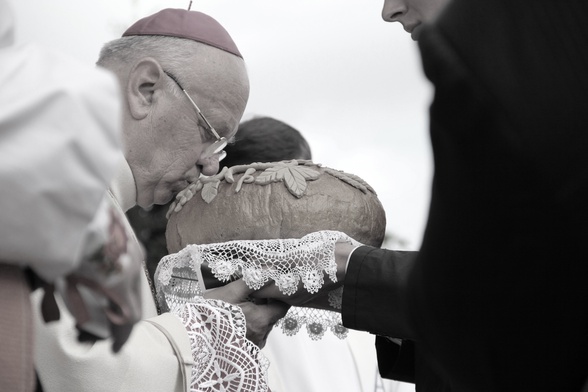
x=193, y=174
x=393, y=10
x=209, y=166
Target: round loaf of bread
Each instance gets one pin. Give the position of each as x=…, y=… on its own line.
x=286, y=199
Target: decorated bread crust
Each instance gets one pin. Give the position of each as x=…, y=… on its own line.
x=287, y=199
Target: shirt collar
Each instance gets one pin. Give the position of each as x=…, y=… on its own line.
x=123, y=186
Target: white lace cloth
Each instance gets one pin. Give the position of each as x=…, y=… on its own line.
x=288, y=262
x=224, y=360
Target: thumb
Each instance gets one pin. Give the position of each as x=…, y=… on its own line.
x=262, y=318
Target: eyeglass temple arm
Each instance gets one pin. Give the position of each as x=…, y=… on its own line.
x=194, y=103
x=201, y=115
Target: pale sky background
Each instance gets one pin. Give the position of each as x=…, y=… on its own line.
x=333, y=69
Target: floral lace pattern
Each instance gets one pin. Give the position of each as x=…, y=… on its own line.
x=288, y=262
x=224, y=360
x=317, y=322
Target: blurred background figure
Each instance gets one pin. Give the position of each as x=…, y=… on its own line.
x=266, y=139
x=59, y=149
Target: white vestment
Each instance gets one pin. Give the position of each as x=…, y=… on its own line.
x=299, y=363
x=59, y=147
x=156, y=357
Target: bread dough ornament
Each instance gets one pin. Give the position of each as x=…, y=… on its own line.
x=286, y=199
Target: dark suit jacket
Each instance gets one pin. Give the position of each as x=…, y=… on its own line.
x=497, y=298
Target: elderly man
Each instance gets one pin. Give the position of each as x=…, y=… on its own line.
x=185, y=88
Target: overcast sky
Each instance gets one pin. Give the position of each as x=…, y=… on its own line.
x=351, y=83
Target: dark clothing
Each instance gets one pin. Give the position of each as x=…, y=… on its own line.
x=497, y=297
x=375, y=291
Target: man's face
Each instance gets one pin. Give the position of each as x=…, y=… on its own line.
x=169, y=152
x=412, y=13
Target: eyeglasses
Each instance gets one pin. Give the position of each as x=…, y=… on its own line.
x=220, y=143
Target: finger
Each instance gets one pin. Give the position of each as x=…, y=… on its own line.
x=269, y=291
x=349, y=240
x=233, y=292
x=260, y=301
x=299, y=297
x=277, y=310
x=262, y=318
x=271, y=311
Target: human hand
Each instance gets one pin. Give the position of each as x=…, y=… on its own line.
x=261, y=316
x=103, y=292
x=319, y=299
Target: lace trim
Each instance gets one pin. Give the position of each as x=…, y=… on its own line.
x=285, y=261
x=224, y=360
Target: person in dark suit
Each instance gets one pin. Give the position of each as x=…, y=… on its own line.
x=496, y=299
x=499, y=285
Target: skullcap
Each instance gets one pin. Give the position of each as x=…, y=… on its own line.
x=186, y=24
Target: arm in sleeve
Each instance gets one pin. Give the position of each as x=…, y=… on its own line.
x=374, y=301
x=396, y=361
x=375, y=291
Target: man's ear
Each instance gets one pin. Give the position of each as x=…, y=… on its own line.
x=144, y=79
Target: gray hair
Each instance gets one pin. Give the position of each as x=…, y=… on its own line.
x=171, y=52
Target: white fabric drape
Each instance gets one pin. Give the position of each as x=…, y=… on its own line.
x=59, y=147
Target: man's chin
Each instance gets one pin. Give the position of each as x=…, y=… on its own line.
x=164, y=199
x=416, y=33
x=158, y=199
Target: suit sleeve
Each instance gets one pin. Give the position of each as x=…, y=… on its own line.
x=396, y=361
x=374, y=301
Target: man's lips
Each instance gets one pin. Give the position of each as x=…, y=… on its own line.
x=415, y=32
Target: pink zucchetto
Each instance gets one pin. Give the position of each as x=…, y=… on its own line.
x=186, y=24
